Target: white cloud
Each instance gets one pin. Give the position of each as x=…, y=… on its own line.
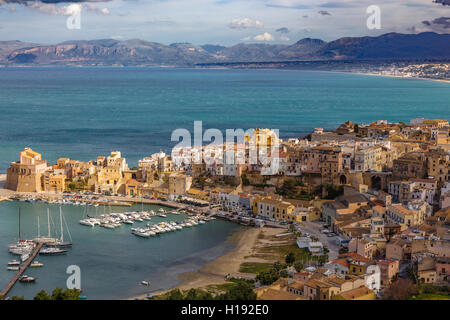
x=284, y=38
x=95, y=9
x=50, y=8
x=264, y=37
x=245, y=23
x=68, y=10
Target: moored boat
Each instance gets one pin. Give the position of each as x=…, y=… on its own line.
x=52, y=251
x=36, y=264
x=27, y=279
x=14, y=263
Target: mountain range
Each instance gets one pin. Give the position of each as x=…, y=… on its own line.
x=135, y=52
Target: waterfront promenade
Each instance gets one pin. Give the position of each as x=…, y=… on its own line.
x=109, y=200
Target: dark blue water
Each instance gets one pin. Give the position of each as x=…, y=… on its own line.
x=85, y=112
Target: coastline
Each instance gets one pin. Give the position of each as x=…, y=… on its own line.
x=215, y=271
x=401, y=77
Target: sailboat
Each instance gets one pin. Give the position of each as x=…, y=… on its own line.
x=60, y=242
x=22, y=247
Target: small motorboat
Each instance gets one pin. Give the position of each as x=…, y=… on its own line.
x=145, y=283
x=36, y=264
x=14, y=263
x=26, y=279
x=13, y=268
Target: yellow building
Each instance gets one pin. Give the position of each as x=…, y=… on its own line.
x=405, y=217
x=262, y=138
x=55, y=183
x=132, y=188
x=274, y=208
x=25, y=175
x=179, y=184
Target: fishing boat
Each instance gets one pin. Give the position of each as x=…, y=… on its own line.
x=145, y=283
x=26, y=279
x=36, y=264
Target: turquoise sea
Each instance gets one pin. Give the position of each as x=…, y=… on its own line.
x=85, y=112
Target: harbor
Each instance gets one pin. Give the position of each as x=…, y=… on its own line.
x=112, y=258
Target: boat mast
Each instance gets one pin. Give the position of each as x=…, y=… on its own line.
x=60, y=220
x=48, y=221
x=39, y=227
x=20, y=231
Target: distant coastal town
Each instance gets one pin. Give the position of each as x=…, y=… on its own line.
x=358, y=213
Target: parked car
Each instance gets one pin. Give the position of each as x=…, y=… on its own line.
x=331, y=234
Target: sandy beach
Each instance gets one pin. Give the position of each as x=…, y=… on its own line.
x=214, y=272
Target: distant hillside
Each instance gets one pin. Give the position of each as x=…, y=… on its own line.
x=392, y=46
x=427, y=45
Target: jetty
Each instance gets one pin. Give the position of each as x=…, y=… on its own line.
x=21, y=271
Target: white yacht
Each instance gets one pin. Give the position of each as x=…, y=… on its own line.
x=87, y=222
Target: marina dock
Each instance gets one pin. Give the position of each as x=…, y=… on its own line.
x=21, y=271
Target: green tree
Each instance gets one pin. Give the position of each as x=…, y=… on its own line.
x=243, y=291
x=18, y=298
x=298, y=266
x=192, y=295
x=267, y=277
x=42, y=295
x=58, y=294
x=290, y=258
x=245, y=180
x=175, y=294
x=71, y=294
x=277, y=266
x=284, y=274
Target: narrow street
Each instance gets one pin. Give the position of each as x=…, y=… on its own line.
x=313, y=228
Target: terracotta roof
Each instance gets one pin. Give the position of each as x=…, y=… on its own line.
x=403, y=210
x=356, y=293
x=272, y=294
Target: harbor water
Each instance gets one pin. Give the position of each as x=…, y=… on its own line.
x=113, y=262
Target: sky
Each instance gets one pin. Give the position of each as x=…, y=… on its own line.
x=224, y=22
